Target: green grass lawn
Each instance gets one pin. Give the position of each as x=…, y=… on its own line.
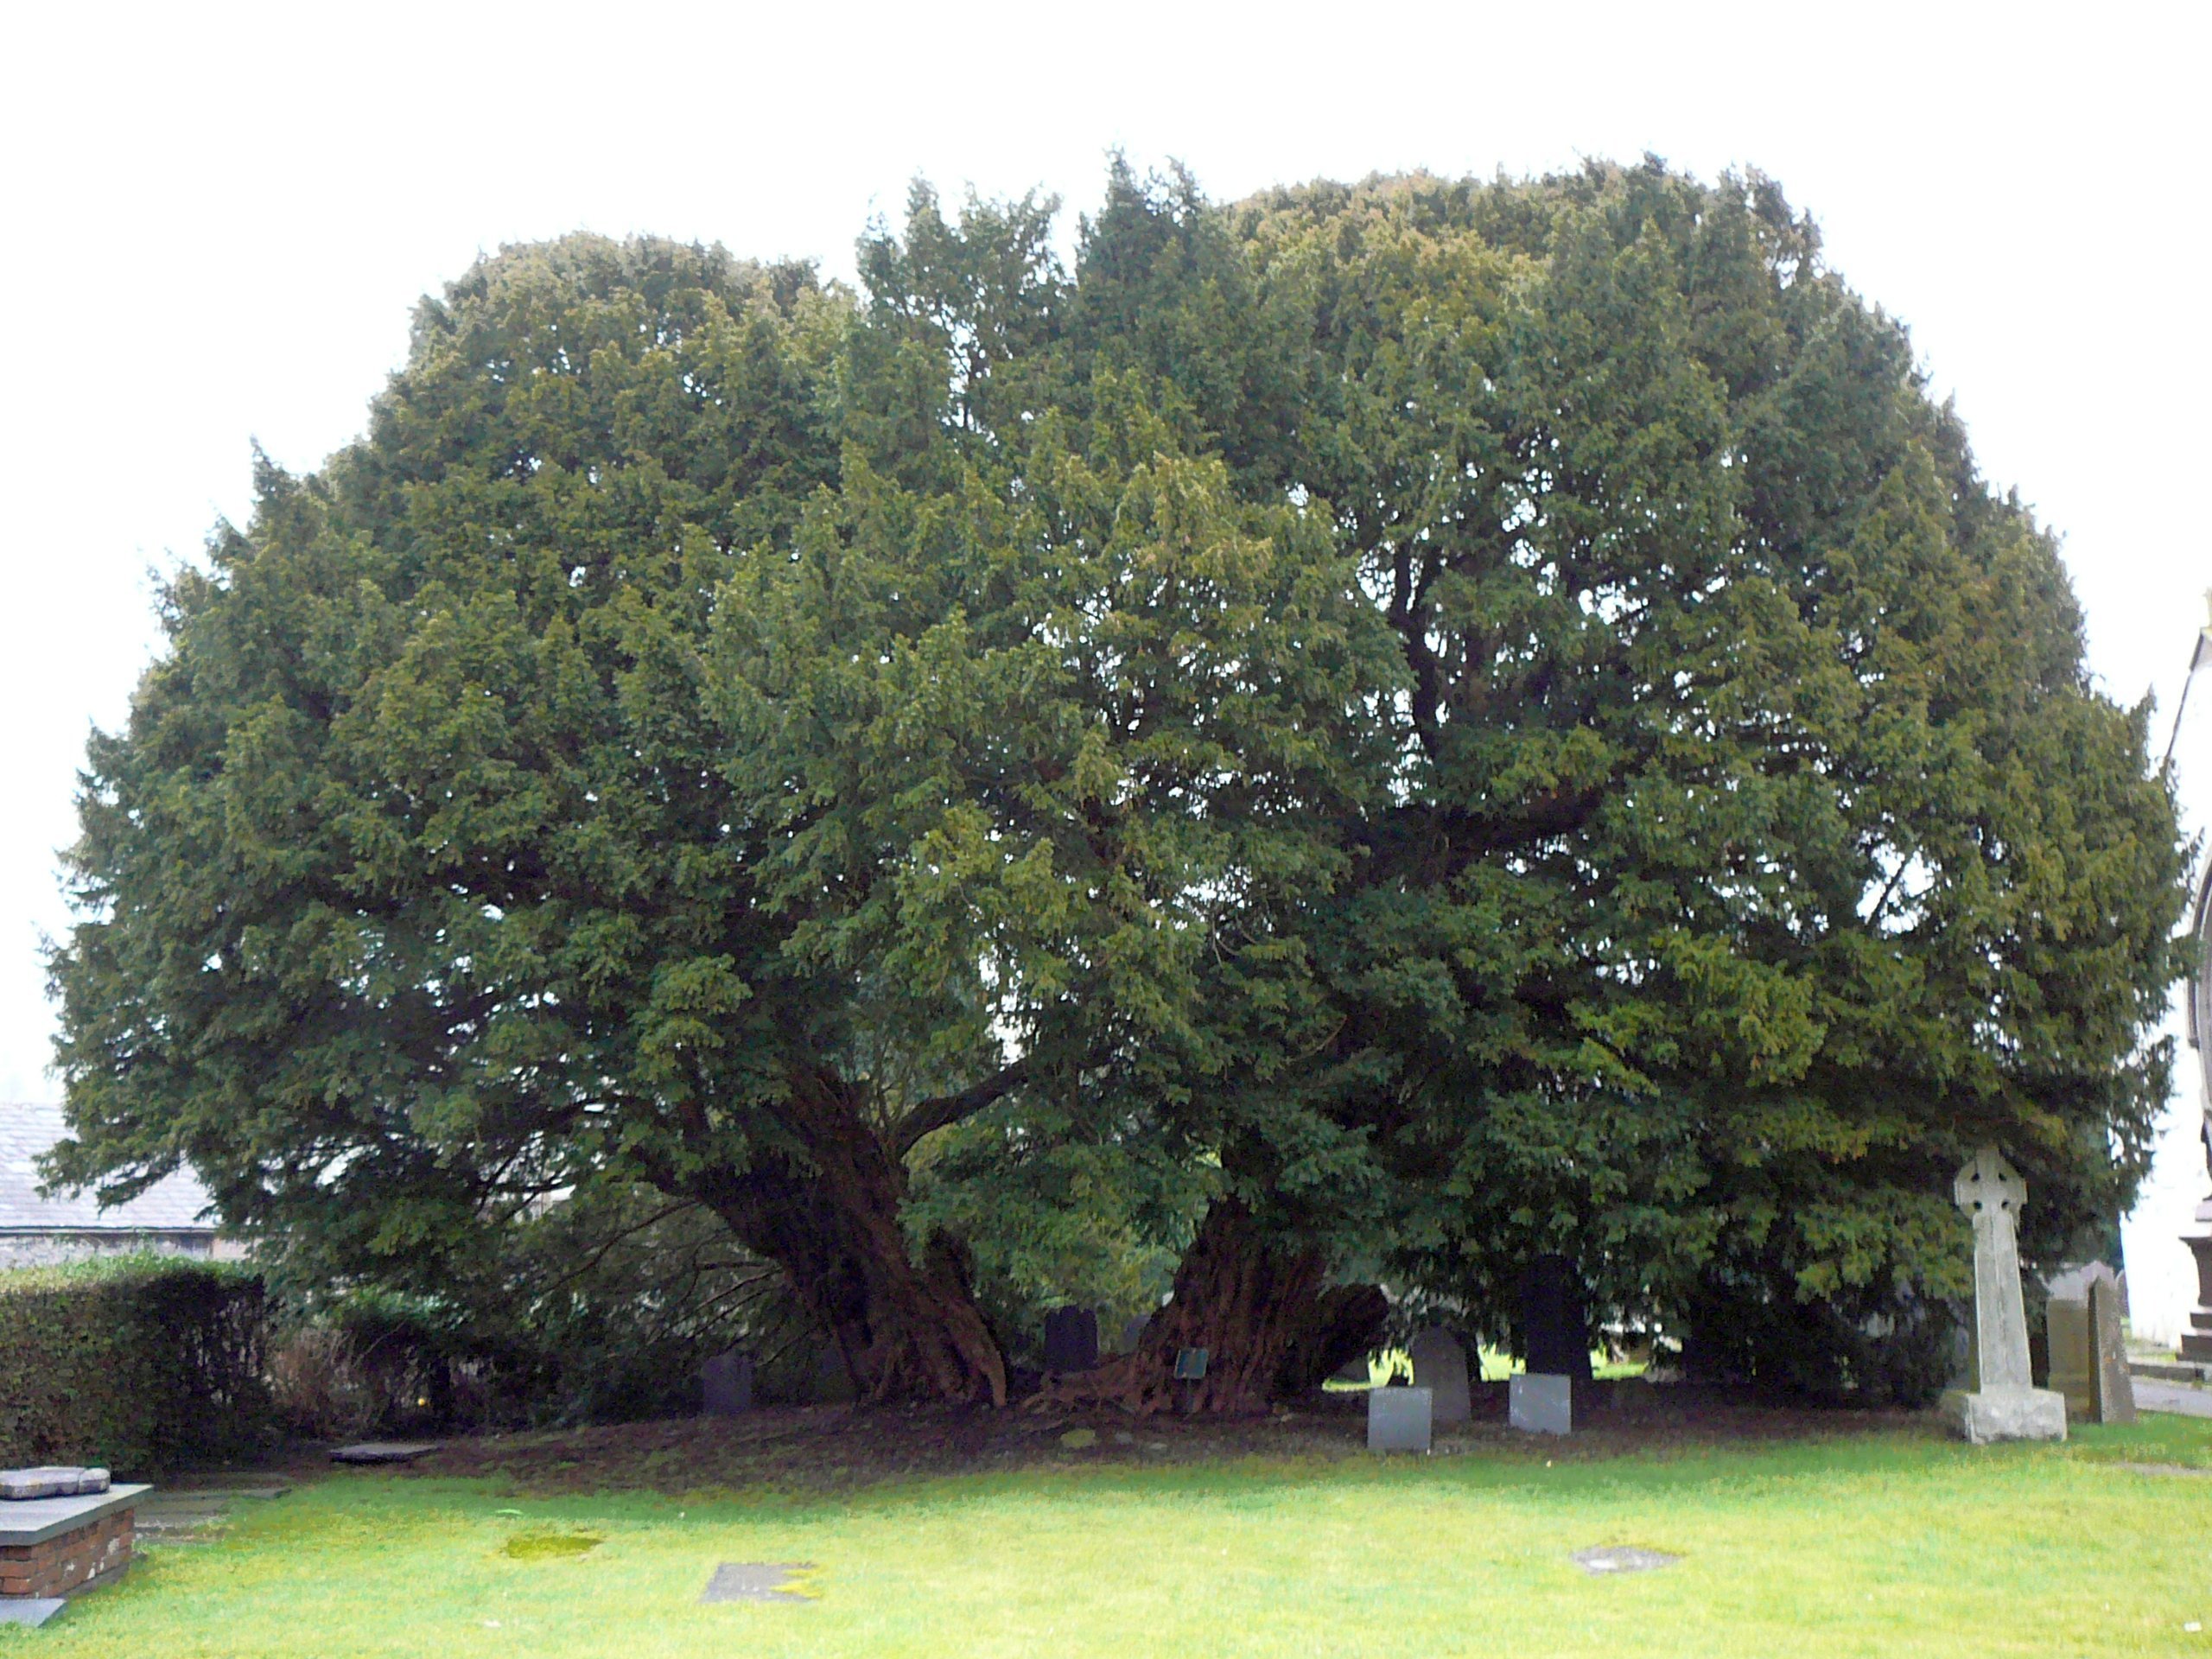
x=1877, y=1544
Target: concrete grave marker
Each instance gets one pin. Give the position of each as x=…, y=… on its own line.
x=1133, y=1330
x=1622, y=1559
x=1540, y=1405
x=1070, y=1340
x=1440, y=1366
x=2005, y=1404
x=1399, y=1419
x=726, y=1385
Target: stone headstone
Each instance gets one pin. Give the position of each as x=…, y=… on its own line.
x=2072, y=1357
x=1540, y=1404
x=726, y=1385
x=2005, y=1404
x=2115, y=1394
x=1070, y=1340
x=1399, y=1419
x=1440, y=1366
x=1555, y=1331
x=1133, y=1330
x=832, y=1381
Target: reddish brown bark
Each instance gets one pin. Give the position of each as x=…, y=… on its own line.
x=830, y=1218
x=1250, y=1305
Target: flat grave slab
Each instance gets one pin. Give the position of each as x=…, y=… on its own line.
x=33, y=1611
x=1622, y=1558
x=33, y=1521
x=755, y=1582
x=384, y=1452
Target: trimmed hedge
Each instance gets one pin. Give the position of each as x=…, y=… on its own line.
x=138, y=1363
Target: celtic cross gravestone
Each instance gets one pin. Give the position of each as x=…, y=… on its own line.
x=2004, y=1404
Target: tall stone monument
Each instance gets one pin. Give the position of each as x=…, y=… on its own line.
x=2004, y=1404
x=2196, y=1341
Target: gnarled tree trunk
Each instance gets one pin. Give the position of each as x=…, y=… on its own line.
x=907, y=1330
x=1253, y=1307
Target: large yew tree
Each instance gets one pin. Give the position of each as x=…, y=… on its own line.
x=682, y=743
x=1480, y=718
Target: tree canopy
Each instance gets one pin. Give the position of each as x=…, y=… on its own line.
x=1370, y=732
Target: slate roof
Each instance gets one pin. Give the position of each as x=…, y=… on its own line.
x=27, y=1130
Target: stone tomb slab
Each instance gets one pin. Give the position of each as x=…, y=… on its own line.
x=1622, y=1558
x=33, y=1611
x=384, y=1452
x=755, y=1582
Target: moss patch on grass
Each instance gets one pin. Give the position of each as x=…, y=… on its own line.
x=550, y=1545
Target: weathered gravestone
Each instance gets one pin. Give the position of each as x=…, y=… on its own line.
x=726, y=1385
x=1440, y=1366
x=1540, y=1404
x=2088, y=1357
x=2115, y=1398
x=1133, y=1330
x=2004, y=1404
x=1070, y=1340
x=1399, y=1419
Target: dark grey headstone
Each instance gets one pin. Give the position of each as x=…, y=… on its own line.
x=1614, y=1558
x=755, y=1582
x=726, y=1385
x=1071, y=1340
x=1133, y=1331
x=1440, y=1365
x=1555, y=1331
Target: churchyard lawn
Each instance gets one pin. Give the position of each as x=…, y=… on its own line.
x=1890, y=1540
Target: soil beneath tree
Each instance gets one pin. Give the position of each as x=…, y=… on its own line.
x=829, y=1449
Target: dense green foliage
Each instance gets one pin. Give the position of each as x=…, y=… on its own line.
x=137, y=1363
x=1420, y=723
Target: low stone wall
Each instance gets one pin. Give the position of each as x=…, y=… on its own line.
x=70, y=1561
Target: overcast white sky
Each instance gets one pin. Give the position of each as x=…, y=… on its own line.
x=216, y=220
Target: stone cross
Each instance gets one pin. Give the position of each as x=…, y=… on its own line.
x=1992, y=1194
x=2004, y=1404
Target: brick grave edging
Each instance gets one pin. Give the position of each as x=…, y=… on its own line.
x=55, y=1547
x=70, y=1561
